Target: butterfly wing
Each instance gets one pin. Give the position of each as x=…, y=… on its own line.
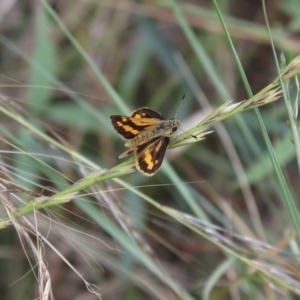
x=140, y=120
x=149, y=156
x=148, y=113
x=124, y=126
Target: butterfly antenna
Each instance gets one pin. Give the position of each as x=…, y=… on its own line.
x=176, y=116
x=191, y=135
x=179, y=105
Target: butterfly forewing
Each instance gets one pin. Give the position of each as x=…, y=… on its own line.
x=146, y=112
x=124, y=126
x=140, y=120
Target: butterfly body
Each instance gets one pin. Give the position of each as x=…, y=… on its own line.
x=149, y=136
x=163, y=128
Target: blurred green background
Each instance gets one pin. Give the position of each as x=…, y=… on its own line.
x=65, y=67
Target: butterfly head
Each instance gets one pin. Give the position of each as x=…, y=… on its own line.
x=172, y=127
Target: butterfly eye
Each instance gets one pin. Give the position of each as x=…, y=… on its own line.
x=174, y=129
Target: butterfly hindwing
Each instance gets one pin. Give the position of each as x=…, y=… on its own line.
x=149, y=156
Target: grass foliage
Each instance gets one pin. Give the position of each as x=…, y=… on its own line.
x=219, y=220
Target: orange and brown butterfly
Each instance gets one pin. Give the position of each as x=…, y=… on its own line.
x=149, y=136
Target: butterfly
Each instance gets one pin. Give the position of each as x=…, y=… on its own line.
x=149, y=136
